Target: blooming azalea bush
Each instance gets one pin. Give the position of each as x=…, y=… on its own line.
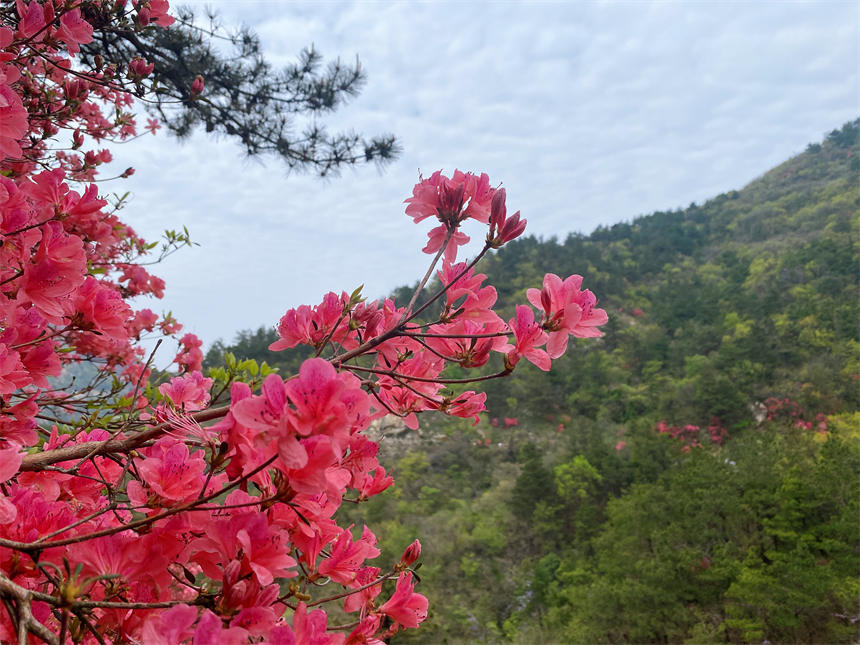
x=132, y=510
x=690, y=436
x=785, y=409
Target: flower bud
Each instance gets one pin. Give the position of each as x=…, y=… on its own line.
x=498, y=212
x=411, y=554
x=197, y=86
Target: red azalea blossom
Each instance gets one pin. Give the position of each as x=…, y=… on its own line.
x=451, y=201
x=529, y=337
x=406, y=607
x=567, y=311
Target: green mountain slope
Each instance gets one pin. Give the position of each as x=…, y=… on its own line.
x=752, y=294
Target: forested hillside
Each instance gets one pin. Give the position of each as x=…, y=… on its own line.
x=692, y=476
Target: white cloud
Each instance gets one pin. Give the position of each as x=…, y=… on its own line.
x=589, y=113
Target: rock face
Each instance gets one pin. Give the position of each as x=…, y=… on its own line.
x=394, y=438
x=388, y=426
x=759, y=412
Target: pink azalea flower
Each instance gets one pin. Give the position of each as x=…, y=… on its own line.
x=74, y=30
x=468, y=350
x=311, y=628
x=361, y=458
x=18, y=424
x=437, y=239
x=8, y=511
x=407, y=401
x=568, y=311
x=140, y=281
x=170, y=627
x=321, y=472
x=405, y=606
x=479, y=300
x=468, y=405
x=41, y=361
x=312, y=326
x=58, y=268
x=154, y=11
x=171, y=471
x=33, y=19
x=373, y=485
x=317, y=397
x=158, y=13
x=144, y=320
x=257, y=621
x=12, y=373
x=365, y=631
x=189, y=392
x=101, y=308
x=451, y=201
x=139, y=68
x=266, y=550
x=528, y=337
x=13, y=121
x=142, y=561
x=211, y=631
x=190, y=356
x=36, y=516
x=346, y=556
x=247, y=542
x=85, y=491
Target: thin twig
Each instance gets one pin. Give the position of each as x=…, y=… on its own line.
x=445, y=381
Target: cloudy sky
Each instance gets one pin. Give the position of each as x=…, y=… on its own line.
x=588, y=113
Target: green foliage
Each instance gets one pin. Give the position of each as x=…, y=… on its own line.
x=759, y=285
x=249, y=358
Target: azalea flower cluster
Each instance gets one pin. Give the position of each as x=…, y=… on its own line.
x=787, y=408
x=689, y=435
x=409, y=358
x=133, y=507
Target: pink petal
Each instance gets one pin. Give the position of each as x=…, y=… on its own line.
x=10, y=461
x=557, y=344
x=8, y=511
x=292, y=452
